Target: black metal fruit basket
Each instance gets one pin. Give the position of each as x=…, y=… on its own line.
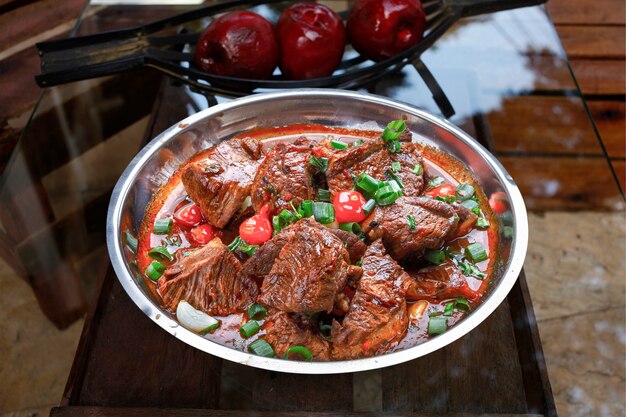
x=154, y=46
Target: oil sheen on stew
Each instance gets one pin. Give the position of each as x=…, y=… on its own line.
x=308, y=242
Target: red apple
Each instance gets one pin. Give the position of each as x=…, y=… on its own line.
x=238, y=44
x=380, y=29
x=312, y=39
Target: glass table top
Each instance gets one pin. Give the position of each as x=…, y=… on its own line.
x=505, y=73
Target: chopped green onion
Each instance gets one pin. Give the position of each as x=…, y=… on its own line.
x=411, y=221
x=357, y=142
x=447, y=199
x=395, y=186
x=323, y=212
x=393, y=146
x=235, y=244
x=464, y=192
x=369, y=206
x=352, y=227
x=162, y=226
x=449, y=309
x=299, y=350
x=319, y=163
x=476, y=252
x=451, y=254
x=368, y=183
x=396, y=167
x=262, y=348
x=386, y=195
x=325, y=328
x=282, y=220
x=417, y=169
x=482, y=222
x=249, y=329
x=323, y=195
x=131, y=242
x=173, y=240
x=476, y=211
x=437, y=325
x=337, y=144
x=195, y=320
x=393, y=130
x=434, y=256
x=508, y=231
x=306, y=208
x=187, y=253
x=462, y=304
x=161, y=253
x=436, y=182
x=155, y=270
x=392, y=176
x=471, y=270
x=239, y=244
x=469, y=204
x=257, y=312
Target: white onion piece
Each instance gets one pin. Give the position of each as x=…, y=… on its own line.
x=195, y=320
x=247, y=202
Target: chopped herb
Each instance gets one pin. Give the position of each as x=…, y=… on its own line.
x=299, y=351
x=239, y=244
x=396, y=167
x=436, y=182
x=352, y=227
x=437, y=325
x=455, y=256
x=173, y=240
x=411, y=221
x=306, y=208
x=262, y=348
x=464, y=192
x=357, y=142
x=471, y=270
x=449, y=309
x=447, y=199
x=162, y=226
x=368, y=183
x=393, y=176
x=249, y=329
x=369, y=206
x=476, y=211
x=417, y=169
x=387, y=194
x=476, y=252
x=359, y=262
x=160, y=253
x=459, y=304
x=469, y=204
x=434, y=256
x=155, y=270
x=319, y=162
x=337, y=144
x=482, y=222
x=131, y=241
x=323, y=212
x=323, y=195
x=257, y=312
x=394, y=146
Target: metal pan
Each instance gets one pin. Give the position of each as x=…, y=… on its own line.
x=164, y=154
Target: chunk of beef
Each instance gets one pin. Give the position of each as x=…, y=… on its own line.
x=353, y=244
x=208, y=279
x=221, y=182
x=283, y=331
x=434, y=221
x=377, y=317
x=467, y=220
x=371, y=157
x=310, y=270
x=408, y=157
x=260, y=264
x=284, y=176
x=439, y=282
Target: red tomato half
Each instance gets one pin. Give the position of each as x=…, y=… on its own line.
x=203, y=234
x=444, y=190
x=257, y=229
x=349, y=206
x=499, y=202
x=189, y=215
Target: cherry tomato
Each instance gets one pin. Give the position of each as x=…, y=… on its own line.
x=257, y=229
x=349, y=206
x=444, y=190
x=203, y=234
x=189, y=215
x=498, y=202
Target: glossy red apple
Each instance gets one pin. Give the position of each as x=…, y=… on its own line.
x=312, y=39
x=238, y=44
x=380, y=29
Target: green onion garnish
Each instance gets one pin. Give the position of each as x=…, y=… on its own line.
x=393, y=130
x=299, y=350
x=323, y=212
x=262, y=348
x=417, y=169
x=162, y=226
x=471, y=270
x=337, y=144
x=319, y=163
x=482, y=222
x=359, y=262
x=368, y=183
x=306, y=208
x=462, y=304
x=396, y=167
x=434, y=256
x=323, y=195
x=249, y=329
x=395, y=186
x=411, y=221
x=394, y=146
x=235, y=244
x=131, y=242
x=155, y=270
x=437, y=325
x=392, y=176
x=436, y=182
x=161, y=253
x=464, y=192
x=447, y=199
x=282, y=220
x=469, y=204
x=369, y=206
x=508, y=231
x=357, y=142
x=449, y=309
x=352, y=227
x=257, y=312
x=239, y=244
x=476, y=252
x=173, y=240
x=386, y=195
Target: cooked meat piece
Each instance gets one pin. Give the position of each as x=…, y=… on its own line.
x=353, y=244
x=284, y=176
x=283, y=331
x=439, y=282
x=260, y=264
x=371, y=158
x=467, y=220
x=434, y=221
x=409, y=156
x=310, y=270
x=377, y=315
x=208, y=279
x=220, y=183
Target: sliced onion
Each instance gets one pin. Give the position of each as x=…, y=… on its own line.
x=195, y=320
x=247, y=202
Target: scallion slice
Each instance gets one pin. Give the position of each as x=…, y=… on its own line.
x=394, y=146
x=469, y=204
x=368, y=183
x=411, y=221
x=386, y=195
x=476, y=252
x=323, y=212
x=395, y=186
x=299, y=350
x=437, y=325
x=161, y=253
x=482, y=223
x=323, y=195
x=436, y=182
x=131, y=241
x=282, y=220
x=395, y=166
x=306, y=208
x=434, y=256
x=257, y=312
x=464, y=192
x=417, y=169
x=471, y=270
x=337, y=144
x=319, y=162
x=357, y=142
x=235, y=244
x=393, y=176
x=195, y=320
x=262, y=348
x=449, y=309
x=369, y=206
x=462, y=304
x=393, y=130
x=352, y=227
x=162, y=226
x=155, y=270
x=249, y=329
